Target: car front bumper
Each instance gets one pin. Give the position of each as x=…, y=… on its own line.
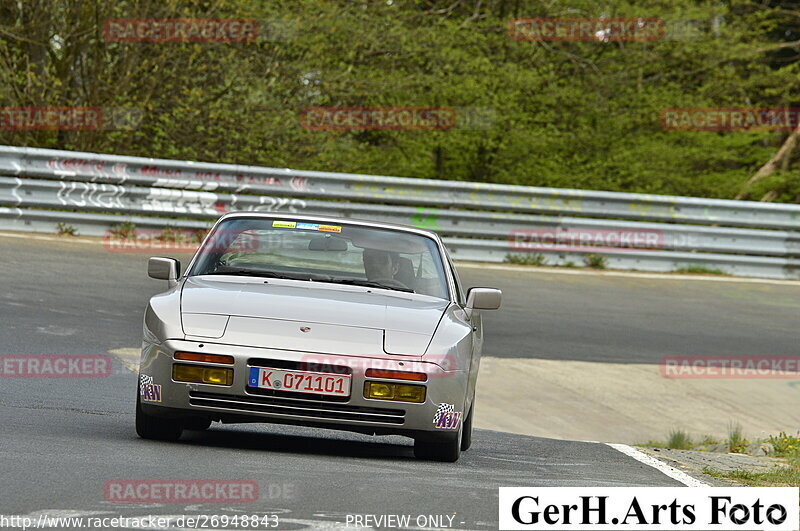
x=445, y=391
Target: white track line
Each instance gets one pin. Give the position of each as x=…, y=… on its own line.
x=661, y=466
x=63, y=239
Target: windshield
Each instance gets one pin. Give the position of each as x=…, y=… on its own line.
x=321, y=252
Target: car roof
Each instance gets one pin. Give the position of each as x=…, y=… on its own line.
x=332, y=219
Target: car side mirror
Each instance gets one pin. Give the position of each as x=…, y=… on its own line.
x=483, y=299
x=164, y=269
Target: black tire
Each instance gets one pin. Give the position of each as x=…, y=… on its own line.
x=445, y=450
x=466, y=435
x=150, y=427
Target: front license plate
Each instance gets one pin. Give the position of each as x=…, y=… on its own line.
x=318, y=383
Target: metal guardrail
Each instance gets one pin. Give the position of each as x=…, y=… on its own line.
x=482, y=222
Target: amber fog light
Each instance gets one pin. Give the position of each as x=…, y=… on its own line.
x=201, y=374
x=396, y=392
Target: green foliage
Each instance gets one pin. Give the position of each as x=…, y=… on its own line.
x=785, y=445
x=65, y=229
x=536, y=259
x=562, y=114
x=124, y=231
x=736, y=441
x=781, y=187
x=779, y=476
x=700, y=270
x=708, y=440
x=595, y=261
x=679, y=440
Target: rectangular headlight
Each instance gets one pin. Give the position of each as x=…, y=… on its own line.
x=202, y=374
x=396, y=392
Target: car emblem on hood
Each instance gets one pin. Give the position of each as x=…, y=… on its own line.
x=305, y=329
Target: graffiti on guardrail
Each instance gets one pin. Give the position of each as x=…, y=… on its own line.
x=650, y=208
x=84, y=166
x=117, y=197
x=475, y=219
x=79, y=194
x=168, y=176
x=425, y=220
x=211, y=180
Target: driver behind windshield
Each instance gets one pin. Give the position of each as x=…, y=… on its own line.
x=380, y=265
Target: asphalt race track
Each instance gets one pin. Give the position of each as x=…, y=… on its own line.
x=61, y=440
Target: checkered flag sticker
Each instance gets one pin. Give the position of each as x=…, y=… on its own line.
x=145, y=380
x=443, y=409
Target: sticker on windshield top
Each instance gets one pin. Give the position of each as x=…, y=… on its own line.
x=307, y=226
x=284, y=224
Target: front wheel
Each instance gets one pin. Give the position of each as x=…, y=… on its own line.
x=150, y=427
x=447, y=449
x=466, y=436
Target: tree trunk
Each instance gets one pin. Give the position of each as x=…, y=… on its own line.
x=780, y=160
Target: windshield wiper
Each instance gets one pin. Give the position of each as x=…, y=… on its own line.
x=224, y=270
x=369, y=284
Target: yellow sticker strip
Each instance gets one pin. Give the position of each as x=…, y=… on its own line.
x=284, y=224
x=330, y=228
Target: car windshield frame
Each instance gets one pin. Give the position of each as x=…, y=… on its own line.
x=440, y=263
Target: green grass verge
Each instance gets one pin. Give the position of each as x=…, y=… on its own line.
x=779, y=477
x=681, y=440
x=700, y=270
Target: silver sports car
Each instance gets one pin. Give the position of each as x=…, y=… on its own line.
x=323, y=322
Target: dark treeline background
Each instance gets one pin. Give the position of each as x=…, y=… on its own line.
x=563, y=114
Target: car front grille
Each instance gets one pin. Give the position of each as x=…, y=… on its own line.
x=312, y=409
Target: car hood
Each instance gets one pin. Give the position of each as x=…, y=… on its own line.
x=315, y=317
